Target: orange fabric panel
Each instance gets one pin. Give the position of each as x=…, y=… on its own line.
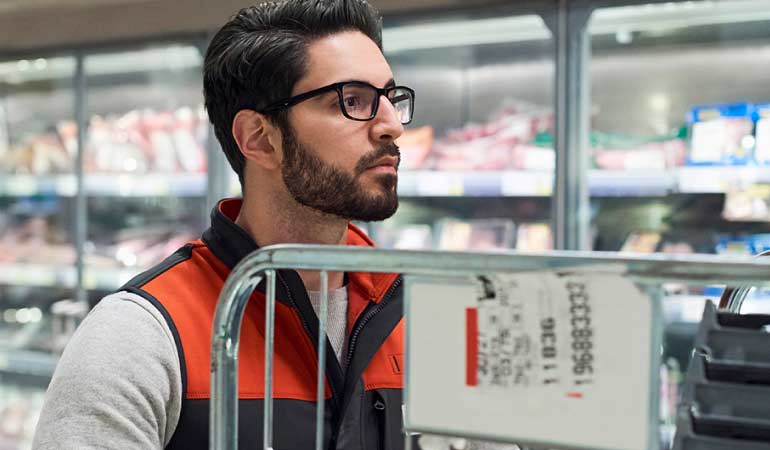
x=189, y=291
x=372, y=285
x=386, y=369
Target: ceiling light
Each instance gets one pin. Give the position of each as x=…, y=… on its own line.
x=624, y=37
x=463, y=33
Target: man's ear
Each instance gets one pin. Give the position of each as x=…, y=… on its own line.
x=257, y=138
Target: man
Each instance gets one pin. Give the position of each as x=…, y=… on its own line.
x=306, y=110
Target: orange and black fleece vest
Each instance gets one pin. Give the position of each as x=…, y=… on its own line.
x=363, y=403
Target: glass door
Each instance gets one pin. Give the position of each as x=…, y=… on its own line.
x=38, y=145
x=145, y=161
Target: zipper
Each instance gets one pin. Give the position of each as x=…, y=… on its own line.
x=367, y=317
x=360, y=324
x=307, y=328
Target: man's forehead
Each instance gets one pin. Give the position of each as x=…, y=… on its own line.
x=344, y=56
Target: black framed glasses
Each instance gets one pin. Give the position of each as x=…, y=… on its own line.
x=358, y=100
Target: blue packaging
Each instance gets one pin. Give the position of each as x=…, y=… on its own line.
x=733, y=245
x=743, y=245
x=721, y=134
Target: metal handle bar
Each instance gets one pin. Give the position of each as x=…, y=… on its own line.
x=693, y=269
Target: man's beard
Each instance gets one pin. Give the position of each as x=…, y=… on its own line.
x=323, y=187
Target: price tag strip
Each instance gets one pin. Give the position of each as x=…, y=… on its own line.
x=567, y=359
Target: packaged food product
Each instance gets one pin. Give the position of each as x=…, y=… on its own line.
x=721, y=134
x=478, y=234
x=534, y=237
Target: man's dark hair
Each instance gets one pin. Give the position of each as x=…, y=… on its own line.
x=257, y=57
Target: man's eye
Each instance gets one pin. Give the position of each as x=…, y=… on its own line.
x=352, y=102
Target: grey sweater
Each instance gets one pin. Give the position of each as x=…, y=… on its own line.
x=336, y=318
x=118, y=384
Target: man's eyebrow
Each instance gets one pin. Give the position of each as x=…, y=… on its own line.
x=389, y=84
x=327, y=94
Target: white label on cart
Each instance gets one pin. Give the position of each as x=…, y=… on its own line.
x=556, y=359
x=533, y=332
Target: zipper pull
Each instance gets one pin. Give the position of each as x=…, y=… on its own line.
x=379, y=405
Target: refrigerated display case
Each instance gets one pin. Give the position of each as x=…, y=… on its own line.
x=145, y=158
x=676, y=92
x=478, y=160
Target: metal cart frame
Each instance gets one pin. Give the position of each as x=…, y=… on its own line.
x=262, y=264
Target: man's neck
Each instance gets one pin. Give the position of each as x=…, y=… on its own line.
x=270, y=221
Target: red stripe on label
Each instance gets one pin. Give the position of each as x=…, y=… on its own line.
x=471, y=347
x=574, y=395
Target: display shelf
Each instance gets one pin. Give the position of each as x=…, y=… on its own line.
x=647, y=183
x=52, y=275
x=475, y=184
x=23, y=185
x=123, y=185
x=684, y=180
x=28, y=363
x=602, y=183
x=719, y=179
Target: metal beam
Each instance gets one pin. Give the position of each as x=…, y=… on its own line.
x=81, y=211
x=570, y=202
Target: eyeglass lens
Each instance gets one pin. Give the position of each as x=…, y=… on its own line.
x=402, y=101
x=360, y=101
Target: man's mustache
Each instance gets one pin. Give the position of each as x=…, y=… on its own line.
x=367, y=161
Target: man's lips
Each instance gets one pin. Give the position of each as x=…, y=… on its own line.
x=383, y=169
x=385, y=165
